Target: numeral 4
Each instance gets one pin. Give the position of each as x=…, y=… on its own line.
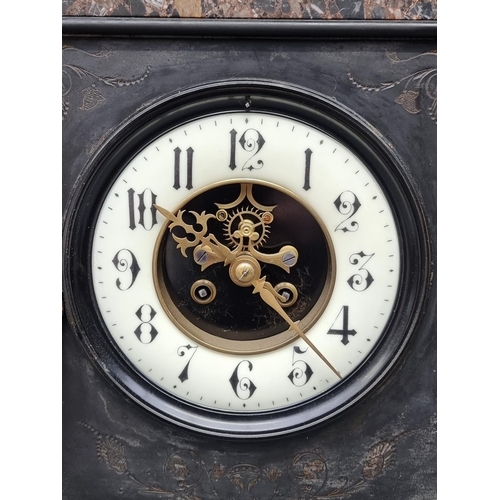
x=343, y=318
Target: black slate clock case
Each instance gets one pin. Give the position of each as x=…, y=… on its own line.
x=384, y=446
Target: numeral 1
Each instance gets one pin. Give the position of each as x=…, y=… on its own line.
x=307, y=175
x=232, y=160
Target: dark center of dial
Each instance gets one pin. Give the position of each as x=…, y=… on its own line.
x=220, y=298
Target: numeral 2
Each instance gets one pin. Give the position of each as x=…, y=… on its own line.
x=347, y=204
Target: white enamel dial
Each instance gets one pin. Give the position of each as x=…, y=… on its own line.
x=316, y=172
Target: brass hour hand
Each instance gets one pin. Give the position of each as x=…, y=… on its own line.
x=208, y=250
x=176, y=220
x=267, y=294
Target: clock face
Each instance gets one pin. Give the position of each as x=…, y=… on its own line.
x=248, y=261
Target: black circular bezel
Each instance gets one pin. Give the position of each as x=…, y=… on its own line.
x=219, y=97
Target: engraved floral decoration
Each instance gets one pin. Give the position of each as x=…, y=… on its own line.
x=419, y=88
x=309, y=474
x=112, y=452
x=93, y=91
x=379, y=457
x=306, y=475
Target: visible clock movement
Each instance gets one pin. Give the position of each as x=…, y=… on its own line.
x=245, y=259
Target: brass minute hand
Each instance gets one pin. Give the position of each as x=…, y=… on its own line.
x=265, y=289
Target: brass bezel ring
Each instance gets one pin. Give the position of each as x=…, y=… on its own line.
x=246, y=347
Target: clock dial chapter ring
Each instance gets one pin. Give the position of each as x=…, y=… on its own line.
x=189, y=243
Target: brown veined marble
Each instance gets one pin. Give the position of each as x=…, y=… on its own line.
x=256, y=9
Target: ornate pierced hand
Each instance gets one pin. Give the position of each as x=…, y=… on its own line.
x=208, y=250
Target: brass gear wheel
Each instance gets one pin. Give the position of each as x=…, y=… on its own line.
x=257, y=217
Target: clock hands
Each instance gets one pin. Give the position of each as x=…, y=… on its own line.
x=245, y=271
x=208, y=250
x=243, y=261
x=267, y=294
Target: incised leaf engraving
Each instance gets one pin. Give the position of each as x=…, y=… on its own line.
x=94, y=84
x=306, y=475
x=419, y=90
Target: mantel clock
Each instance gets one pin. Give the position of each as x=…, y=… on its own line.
x=254, y=258
x=249, y=227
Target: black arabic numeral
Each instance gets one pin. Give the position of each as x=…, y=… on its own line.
x=184, y=351
x=145, y=208
x=242, y=386
x=302, y=372
x=146, y=332
x=189, y=168
x=251, y=141
x=344, y=330
x=347, y=204
x=361, y=281
x=232, y=160
x=307, y=175
x=126, y=263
